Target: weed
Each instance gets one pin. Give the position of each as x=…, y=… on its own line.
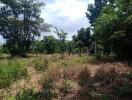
x=41, y=64
x=84, y=76
x=66, y=88
x=48, y=89
x=11, y=71
x=26, y=95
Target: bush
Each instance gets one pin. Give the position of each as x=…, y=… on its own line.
x=47, y=92
x=129, y=75
x=122, y=85
x=11, y=71
x=48, y=89
x=124, y=89
x=26, y=95
x=66, y=87
x=41, y=64
x=98, y=56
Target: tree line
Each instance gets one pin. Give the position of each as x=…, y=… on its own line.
x=20, y=24
x=111, y=23
x=110, y=32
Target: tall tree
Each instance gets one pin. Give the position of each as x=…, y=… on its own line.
x=83, y=39
x=20, y=22
x=62, y=37
x=113, y=28
x=49, y=44
x=94, y=10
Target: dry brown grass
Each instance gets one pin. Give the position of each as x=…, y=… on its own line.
x=84, y=74
x=103, y=74
x=76, y=69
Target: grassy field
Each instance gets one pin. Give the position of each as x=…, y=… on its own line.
x=47, y=77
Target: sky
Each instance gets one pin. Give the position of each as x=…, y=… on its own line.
x=67, y=15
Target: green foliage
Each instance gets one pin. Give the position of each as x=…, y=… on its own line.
x=122, y=86
x=94, y=10
x=98, y=56
x=111, y=21
x=11, y=71
x=125, y=89
x=41, y=64
x=11, y=98
x=129, y=75
x=83, y=39
x=36, y=47
x=4, y=49
x=66, y=88
x=20, y=22
x=70, y=47
x=47, y=92
x=84, y=36
x=48, y=89
x=26, y=95
x=62, y=37
x=50, y=44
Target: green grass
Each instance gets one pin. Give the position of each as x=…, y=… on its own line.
x=11, y=70
x=80, y=59
x=40, y=64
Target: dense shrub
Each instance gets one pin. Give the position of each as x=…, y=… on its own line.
x=48, y=89
x=123, y=89
x=26, y=95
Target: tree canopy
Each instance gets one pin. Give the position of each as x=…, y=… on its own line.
x=113, y=27
x=20, y=22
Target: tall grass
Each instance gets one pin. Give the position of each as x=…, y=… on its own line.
x=11, y=70
x=41, y=64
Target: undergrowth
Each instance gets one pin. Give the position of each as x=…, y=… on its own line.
x=11, y=71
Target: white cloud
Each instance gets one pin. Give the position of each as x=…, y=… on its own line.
x=68, y=15
x=72, y=8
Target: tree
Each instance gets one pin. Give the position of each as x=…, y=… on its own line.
x=50, y=44
x=93, y=12
x=20, y=22
x=113, y=28
x=36, y=47
x=62, y=36
x=70, y=46
x=83, y=39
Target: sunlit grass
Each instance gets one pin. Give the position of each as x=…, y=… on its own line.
x=11, y=70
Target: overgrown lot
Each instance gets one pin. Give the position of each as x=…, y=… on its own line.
x=11, y=70
x=48, y=77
